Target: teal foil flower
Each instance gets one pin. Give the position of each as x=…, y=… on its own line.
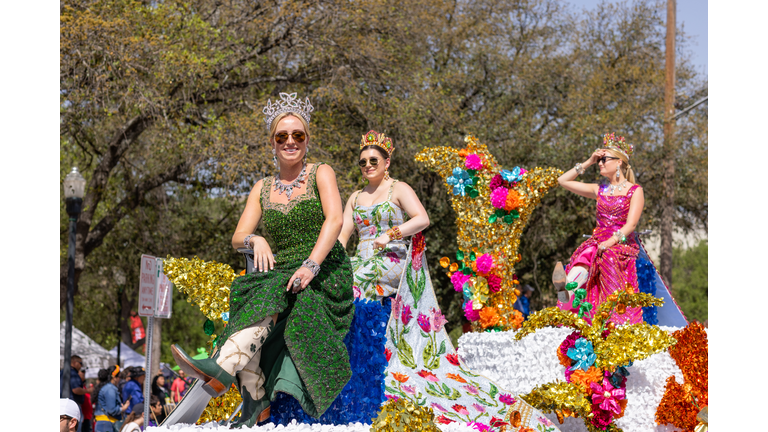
x=512, y=176
x=583, y=354
x=459, y=180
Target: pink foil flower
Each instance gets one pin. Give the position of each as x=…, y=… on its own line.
x=372, y=230
x=484, y=263
x=479, y=426
x=473, y=162
x=397, y=305
x=607, y=397
x=356, y=291
x=499, y=197
x=438, y=407
x=461, y=409
x=496, y=182
x=458, y=279
x=411, y=390
x=478, y=407
x=436, y=320
x=393, y=257
x=470, y=313
x=471, y=390
x=358, y=220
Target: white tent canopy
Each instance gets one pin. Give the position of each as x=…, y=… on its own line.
x=128, y=357
x=94, y=356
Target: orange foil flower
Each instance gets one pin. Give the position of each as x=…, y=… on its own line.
x=489, y=317
x=400, y=377
x=585, y=378
x=513, y=200
x=564, y=359
x=517, y=319
x=456, y=378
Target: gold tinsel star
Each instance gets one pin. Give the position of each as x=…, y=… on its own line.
x=476, y=233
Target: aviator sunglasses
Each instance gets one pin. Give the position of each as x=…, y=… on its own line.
x=364, y=162
x=605, y=159
x=298, y=137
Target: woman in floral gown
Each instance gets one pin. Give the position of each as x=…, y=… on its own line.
x=383, y=214
x=604, y=263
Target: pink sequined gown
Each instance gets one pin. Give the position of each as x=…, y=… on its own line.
x=615, y=268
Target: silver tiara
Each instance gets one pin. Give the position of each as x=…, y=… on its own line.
x=288, y=102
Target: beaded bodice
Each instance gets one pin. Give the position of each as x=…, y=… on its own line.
x=612, y=211
x=294, y=226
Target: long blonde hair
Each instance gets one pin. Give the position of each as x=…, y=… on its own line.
x=626, y=169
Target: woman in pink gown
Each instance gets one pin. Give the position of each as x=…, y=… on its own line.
x=604, y=263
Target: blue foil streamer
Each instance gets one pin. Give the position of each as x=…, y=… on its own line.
x=646, y=283
x=361, y=398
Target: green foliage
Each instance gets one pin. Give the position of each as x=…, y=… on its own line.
x=690, y=285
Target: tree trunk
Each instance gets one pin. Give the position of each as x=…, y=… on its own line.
x=668, y=203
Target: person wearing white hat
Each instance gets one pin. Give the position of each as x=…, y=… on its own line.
x=69, y=415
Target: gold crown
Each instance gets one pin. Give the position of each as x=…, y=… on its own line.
x=617, y=143
x=377, y=139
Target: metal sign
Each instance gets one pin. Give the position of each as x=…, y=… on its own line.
x=163, y=299
x=147, y=285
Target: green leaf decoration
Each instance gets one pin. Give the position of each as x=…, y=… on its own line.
x=472, y=256
x=405, y=354
x=441, y=351
x=393, y=336
x=508, y=219
x=493, y=218
x=494, y=391
x=500, y=212
x=482, y=401
x=428, y=354
x=472, y=172
x=459, y=255
x=421, y=285
x=208, y=327
x=467, y=271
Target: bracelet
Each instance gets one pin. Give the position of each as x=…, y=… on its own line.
x=312, y=266
x=579, y=169
x=619, y=236
x=394, y=233
x=247, y=240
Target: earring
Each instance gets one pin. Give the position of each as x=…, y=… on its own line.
x=386, y=175
x=618, y=171
x=306, y=153
x=274, y=159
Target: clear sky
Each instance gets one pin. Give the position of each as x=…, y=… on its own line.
x=692, y=16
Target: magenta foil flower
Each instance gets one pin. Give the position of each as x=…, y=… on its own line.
x=495, y=183
x=436, y=320
x=411, y=390
x=406, y=315
x=607, y=397
x=479, y=427
x=423, y=321
x=600, y=418
x=438, y=407
x=484, y=263
x=494, y=283
x=499, y=197
x=393, y=257
x=473, y=162
x=356, y=292
x=470, y=313
x=458, y=279
x=569, y=342
x=507, y=399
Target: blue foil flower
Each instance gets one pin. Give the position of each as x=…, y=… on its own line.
x=459, y=180
x=583, y=354
x=511, y=176
x=225, y=316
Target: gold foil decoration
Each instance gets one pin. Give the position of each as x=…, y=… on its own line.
x=403, y=415
x=475, y=232
x=206, y=284
x=222, y=407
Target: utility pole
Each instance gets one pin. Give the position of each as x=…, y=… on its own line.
x=668, y=182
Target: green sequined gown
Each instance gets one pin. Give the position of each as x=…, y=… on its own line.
x=305, y=355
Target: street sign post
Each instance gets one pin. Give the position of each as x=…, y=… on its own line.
x=147, y=286
x=163, y=297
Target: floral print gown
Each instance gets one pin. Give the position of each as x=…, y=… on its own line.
x=378, y=271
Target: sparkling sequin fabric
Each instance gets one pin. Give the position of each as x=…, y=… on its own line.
x=615, y=268
x=378, y=271
x=319, y=316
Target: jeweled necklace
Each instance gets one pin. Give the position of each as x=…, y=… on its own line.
x=618, y=187
x=288, y=188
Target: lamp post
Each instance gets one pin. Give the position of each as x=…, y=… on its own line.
x=74, y=190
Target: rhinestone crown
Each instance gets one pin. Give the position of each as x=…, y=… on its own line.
x=287, y=103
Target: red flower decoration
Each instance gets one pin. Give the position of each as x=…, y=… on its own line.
x=497, y=422
x=417, y=250
x=400, y=377
x=429, y=376
x=443, y=420
x=460, y=409
x=452, y=359
x=388, y=354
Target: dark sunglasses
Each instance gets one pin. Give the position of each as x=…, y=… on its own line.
x=298, y=137
x=605, y=158
x=364, y=162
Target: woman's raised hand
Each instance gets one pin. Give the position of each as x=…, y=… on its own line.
x=263, y=258
x=596, y=155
